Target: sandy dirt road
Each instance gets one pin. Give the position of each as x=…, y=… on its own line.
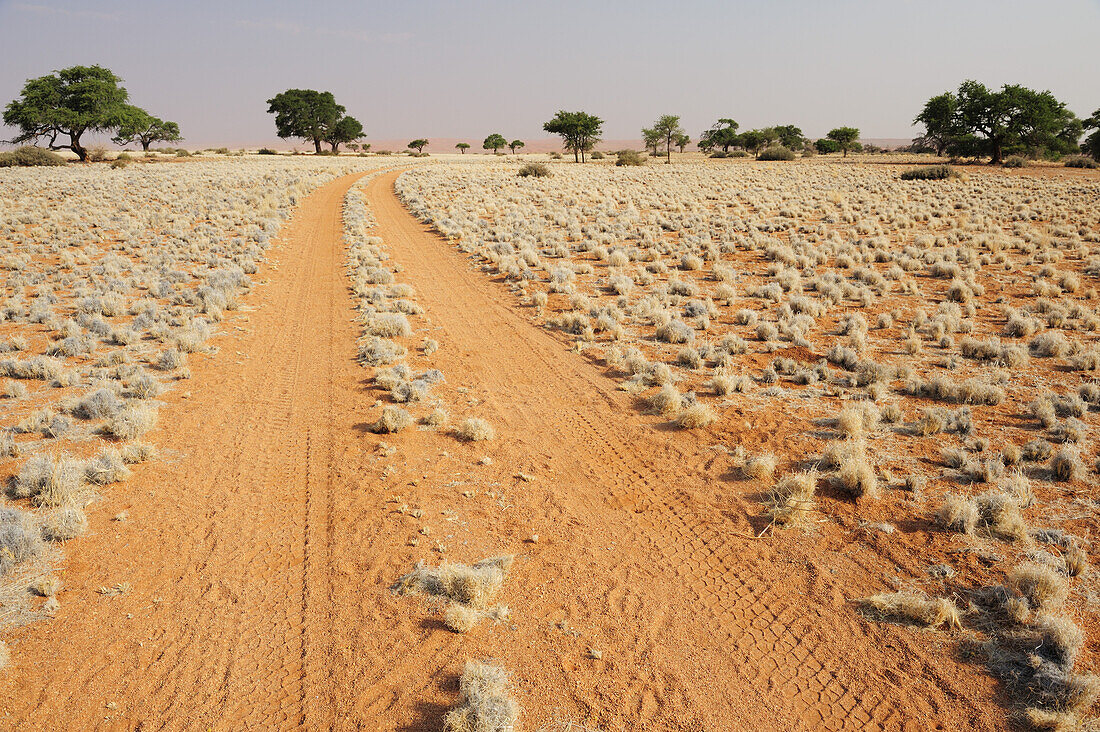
x=260, y=553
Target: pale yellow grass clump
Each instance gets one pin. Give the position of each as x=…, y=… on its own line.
x=475, y=429
x=792, y=498
x=485, y=704
x=918, y=608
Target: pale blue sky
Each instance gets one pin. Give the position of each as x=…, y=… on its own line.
x=464, y=69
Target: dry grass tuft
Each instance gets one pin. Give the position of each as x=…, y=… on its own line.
x=696, y=416
x=761, y=467
x=393, y=419
x=667, y=401
x=793, y=498
x=460, y=618
x=1043, y=588
x=484, y=701
x=475, y=429
x=931, y=612
x=958, y=513
x=472, y=586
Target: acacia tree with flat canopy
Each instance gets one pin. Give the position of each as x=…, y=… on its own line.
x=722, y=134
x=145, y=129
x=418, y=144
x=977, y=121
x=346, y=129
x=845, y=137
x=682, y=141
x=68, y=103
x=305, y=113
x=515, y=145
x=667, y=128
x=462, y=147
x=651, y=139
x=579, y=131
x=494, y=142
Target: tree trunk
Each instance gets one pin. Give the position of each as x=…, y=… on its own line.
x=576, y=153
x=145, y=145
x=845, y=151
x=317, y=145
x=335, y=147
x=997, y=153
x=668, y=149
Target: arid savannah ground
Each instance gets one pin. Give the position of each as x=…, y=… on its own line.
x=708, y=409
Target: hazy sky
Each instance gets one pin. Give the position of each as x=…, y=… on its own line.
x=465, y=69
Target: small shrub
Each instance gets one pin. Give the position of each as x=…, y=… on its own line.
x=28, y=156
x=629, y=157
x=97, y=154
x=534, y=170
x=598, y=155
x=776, y=152
x=929, y=172
x=1015, y=161
x=266, y=151
x=119, y=163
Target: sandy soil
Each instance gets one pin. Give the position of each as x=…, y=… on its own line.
x=259, y=555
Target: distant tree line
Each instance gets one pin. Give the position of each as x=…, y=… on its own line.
x=973, y=121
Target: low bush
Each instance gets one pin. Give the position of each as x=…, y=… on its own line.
x=266, y=151
x=1080, y=161
x=28, y=156
x=929, y=172
x=535, y=170
x=776, y=152
x=1015, y=161
x=598, y=155
x=629, y=157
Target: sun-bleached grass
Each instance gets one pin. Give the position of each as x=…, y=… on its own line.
x=931, y=612
x=475, y=429
x=485, y=703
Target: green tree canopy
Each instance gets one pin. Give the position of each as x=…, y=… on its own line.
x=845, y=137
x=651, y=139
x=682, y=141
x=723, y=134
x=141, y=127
x=978, y=121
x=941, y=122
x=68, y=103
x=463, y=147
x=494, y=142
x=580, y=131
x=753, y=140
x=418, y=144
x=516, y=145
x=1092, y=142
x=306, y=114
x=790, y=137
x=346, y=129
x=825, y=146
x=667, y=127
